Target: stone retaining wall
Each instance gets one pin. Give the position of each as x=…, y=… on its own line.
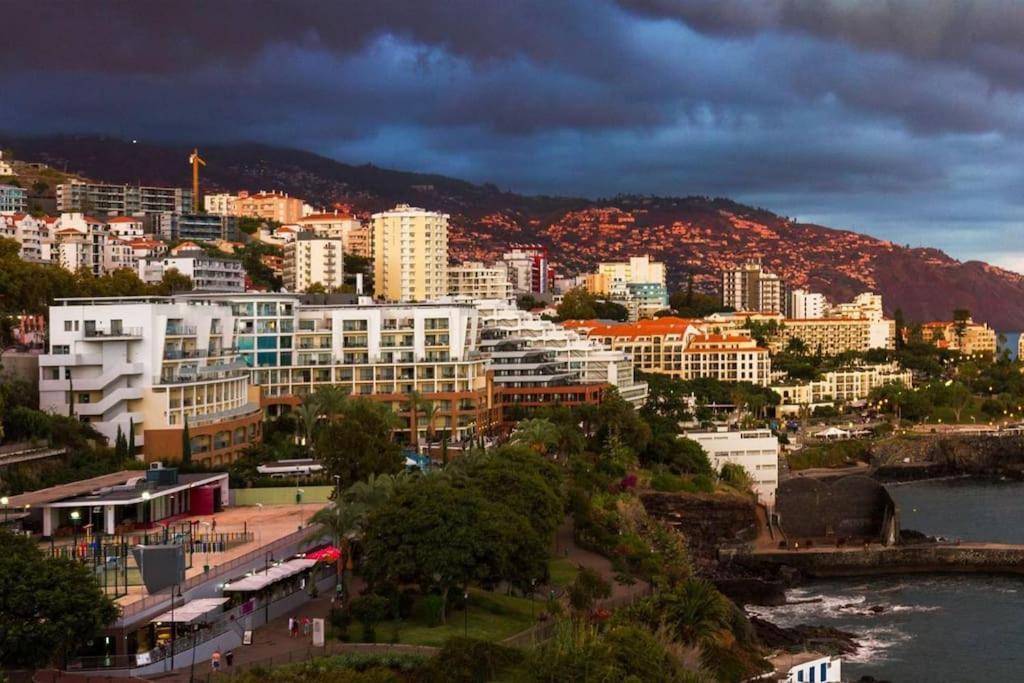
x=875, y=560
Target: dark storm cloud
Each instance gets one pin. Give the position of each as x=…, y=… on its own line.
x=863, y=111
x=980, y=35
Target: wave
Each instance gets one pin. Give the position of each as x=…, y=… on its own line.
x=877, y=644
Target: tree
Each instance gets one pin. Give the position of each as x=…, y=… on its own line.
x=577, y=304
x=442, y=537
x=131, y=437
x=538, y=434
x=48, y=606
x=342, y=523
x=358, y=442
x=186, y=445
x=586, y=589
x=695, y=610
x=308, y=414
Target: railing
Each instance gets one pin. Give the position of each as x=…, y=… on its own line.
x=256, y=557
x=123, y=332
x=180, y=330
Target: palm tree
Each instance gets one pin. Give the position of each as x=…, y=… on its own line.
x=341, y=523
x=697, y=611
x=374, y=491
x=309, y=414
x=416, y=403
x=430, y=412
x=538, y=434
x=332, y=401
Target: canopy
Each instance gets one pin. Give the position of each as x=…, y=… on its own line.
x=327, y=554
x=831, y=433
x=191, y=611
x=261, y=580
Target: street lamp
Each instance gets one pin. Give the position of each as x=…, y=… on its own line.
x=75, y=516
x=5, y=501
x=298, y=501
x=465, y=604
x=533, y=591
x=174, y=625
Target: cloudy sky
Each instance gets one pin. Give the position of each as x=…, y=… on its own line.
x=902, y=119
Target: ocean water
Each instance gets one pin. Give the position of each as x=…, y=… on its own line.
x=931, y=628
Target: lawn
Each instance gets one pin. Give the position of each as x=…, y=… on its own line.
x=562, y=571
x=492, y=616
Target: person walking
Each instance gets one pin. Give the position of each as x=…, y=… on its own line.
x=291, y=626
x=306, y=626
x=215, y=660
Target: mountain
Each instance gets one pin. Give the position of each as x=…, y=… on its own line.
x=696, y=236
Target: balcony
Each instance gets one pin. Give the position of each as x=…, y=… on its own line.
x=121, y=333
x=181, y=330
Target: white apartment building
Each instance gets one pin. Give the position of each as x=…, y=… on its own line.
x=122, y=200
x=207, y=273
x=590, y=360
x=756, y=450
x=126, y=227
x=865, y=306
x=338, y=226
x=148, y=365
x=475, y=280
x=751, y=288
x=33, y=234
x=80, y=242
x=616, y=275
x=529, y=269
x=806, y=305
x=410, y=254
x=312, y=260
x=117, y=254
x=222, y=204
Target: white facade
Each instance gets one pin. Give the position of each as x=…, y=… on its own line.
x=207, y=274
x=528, y=269
x=593, y=362
x=821, y=670
x=757, y=450
x=220, y=204
x=637, y=270
x=805, y=305
x=865, y=306
x=476, y=280
x=126, y=227
x=148, y=362
x=848, y=384
x=310, y=260
x=33, y=234
x=751, y=288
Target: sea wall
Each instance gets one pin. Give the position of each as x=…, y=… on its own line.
x=876, y=560
x=939, y=455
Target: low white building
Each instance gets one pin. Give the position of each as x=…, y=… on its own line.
x=756, y=450
x=847, y=385
x=821, y=670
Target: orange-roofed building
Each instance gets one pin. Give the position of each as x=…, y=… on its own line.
x=967, y=337
x=681, y=348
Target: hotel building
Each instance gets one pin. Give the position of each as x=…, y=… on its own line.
x=591, y=362
x=270, y=206
x=410, y=254
x=682, y=349
x=13, y=199
x=206, y=272
x=967, y=337
x=848, y=385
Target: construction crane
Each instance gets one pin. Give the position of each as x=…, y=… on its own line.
x=196, y=162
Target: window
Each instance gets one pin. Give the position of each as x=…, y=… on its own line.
x=67, y=325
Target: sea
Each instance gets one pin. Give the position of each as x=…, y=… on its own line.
x=930, y=628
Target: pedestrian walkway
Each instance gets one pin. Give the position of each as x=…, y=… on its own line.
x=621, y=592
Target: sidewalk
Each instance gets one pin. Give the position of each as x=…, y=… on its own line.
x=567, y=548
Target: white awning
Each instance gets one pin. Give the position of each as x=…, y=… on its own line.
x=191, y=611
x=261, y=580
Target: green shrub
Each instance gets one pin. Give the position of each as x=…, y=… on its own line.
x=429, y=610
x=467, y=660
x=370, y=610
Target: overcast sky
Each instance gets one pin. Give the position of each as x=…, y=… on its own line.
x=899, y=119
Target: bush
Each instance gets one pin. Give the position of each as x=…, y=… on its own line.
x=467, y=660
x=370, y=610
x=339, y=620
x=429, y=610
x=666, y=481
